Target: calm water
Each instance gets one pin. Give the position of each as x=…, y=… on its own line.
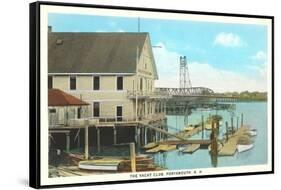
x=255, y=115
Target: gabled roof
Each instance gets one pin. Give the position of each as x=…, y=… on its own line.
x=57, y=97
x=95, y=52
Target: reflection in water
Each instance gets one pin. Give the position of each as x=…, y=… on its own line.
x=214, y=159
x=161, y=159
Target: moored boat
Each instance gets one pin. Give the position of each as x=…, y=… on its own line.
x=219, y=147
x=243, y=148
x=189, y=128
x=150, y=145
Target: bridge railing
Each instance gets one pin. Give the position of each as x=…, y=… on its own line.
x=198, y=91
x=147, y=94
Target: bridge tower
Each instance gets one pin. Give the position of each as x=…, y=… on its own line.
x=184, y=73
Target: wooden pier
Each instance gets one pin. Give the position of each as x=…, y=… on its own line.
x=191, y=148
x=229, y=148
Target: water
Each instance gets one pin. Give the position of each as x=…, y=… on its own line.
x=255, y=115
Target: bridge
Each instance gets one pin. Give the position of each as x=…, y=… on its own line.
x=180, y=101
x=192, y=91
x=185, y=98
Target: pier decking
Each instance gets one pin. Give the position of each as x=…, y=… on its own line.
x=191, y=148
x=229, y=148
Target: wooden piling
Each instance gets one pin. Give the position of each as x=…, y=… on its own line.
x=145, y=136
x=137, y=135
x=133, y=157
x=217, y=127
x=226, y=130
x=114, y=135
x=237, y=124
x=67, y=142
x=232, y=127
x=242, y=120
x=214, y=145
x=78, y=141
x=98, y=139
x=202, y=121
x=86, y=154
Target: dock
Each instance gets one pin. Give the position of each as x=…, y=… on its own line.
x=163, y=131
x=186, y=142
x=229, y=148
x=190, y=133
x=191, y=148
x=162, y=148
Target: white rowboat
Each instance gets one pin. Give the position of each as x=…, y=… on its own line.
x=243, y=148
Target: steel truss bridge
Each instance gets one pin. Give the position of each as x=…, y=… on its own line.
x=193, y=91
x=180, y=101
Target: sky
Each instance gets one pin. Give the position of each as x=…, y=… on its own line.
x=221, y=56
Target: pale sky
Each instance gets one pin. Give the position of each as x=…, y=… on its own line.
x=220, y=56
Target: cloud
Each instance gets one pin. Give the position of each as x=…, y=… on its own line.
x=205, y=75
x=259, y=56
x=260, y=63
x=228, y=40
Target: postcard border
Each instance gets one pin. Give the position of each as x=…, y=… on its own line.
x=34, y=128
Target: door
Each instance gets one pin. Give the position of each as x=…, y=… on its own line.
x=119, y=113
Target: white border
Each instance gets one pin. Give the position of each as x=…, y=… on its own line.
x=46, y=9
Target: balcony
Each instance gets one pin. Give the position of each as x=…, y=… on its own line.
x=104, y=121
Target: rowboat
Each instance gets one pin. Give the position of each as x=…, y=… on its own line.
x=150, y=145
x=143, y=163
x=243, y=148
x=253, y=132
x=110, y=165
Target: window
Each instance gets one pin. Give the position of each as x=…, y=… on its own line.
x=119, y=114
x=119, y=83
x=50, y=82
x=72, y=82
x=52, y=110
x=79, y=112
x=96, y=109
x=96, y=83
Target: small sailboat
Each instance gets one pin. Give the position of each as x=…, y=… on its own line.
x=243, y=148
